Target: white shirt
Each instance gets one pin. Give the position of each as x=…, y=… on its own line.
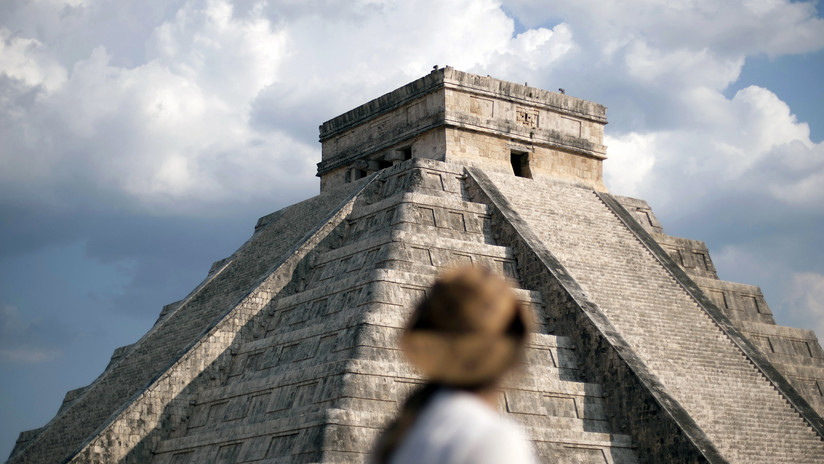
x=457, y=427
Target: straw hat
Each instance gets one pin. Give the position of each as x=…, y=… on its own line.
x=469, y=331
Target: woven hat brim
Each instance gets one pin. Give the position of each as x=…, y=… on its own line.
x=457, y=359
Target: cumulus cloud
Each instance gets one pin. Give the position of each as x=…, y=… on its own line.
x=224, y=105
x=681, y=67
x=667, y=64
x=737, y=27
x=28, y=60
x=632, y=157
x=343, y=60
x=164, y=135
x=224, y=55
x=752, y=145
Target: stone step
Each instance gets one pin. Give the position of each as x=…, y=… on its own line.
x=689, y=355
x=214, y=437
x=389, y=248
x=550, y=428
x=393, y=292
x=358, y=367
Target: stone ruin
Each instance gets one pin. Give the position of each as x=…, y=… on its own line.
x=287, y=352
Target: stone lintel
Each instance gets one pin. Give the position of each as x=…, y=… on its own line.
x=473, y=83
x=415, y=121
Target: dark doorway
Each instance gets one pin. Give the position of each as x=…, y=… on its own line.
x=520, y=164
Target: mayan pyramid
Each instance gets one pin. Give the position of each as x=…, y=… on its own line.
x=286, y=351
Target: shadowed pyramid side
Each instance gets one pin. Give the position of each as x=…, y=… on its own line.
x=122, y=406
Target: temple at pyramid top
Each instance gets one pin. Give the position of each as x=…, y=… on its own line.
x=458, y=117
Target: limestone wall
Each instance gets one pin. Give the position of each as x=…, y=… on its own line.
x=494, y=153
x=464, y=118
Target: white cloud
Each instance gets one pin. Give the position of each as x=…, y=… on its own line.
x=541, y=47
x=28, y=60
x=737, y=27
x=680, y=67
x=656, y=58
x=161, y=135
x=122, y=130
x=342, y=61
x=224, y=55
x=227, y=89
x=750, y=143
x=631, y=158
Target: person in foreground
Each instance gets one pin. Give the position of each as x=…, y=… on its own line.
x=464, y=337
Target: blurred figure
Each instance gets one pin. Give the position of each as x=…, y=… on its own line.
x=464, y=337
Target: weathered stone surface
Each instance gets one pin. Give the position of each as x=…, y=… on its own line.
x=693, y=361
x=287, y=351
x=462, y=118
x=796, y=353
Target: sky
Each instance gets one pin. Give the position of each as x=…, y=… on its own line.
x=141, y=139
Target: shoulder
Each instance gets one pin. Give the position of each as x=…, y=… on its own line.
x=465, y=410
x=506, y=442
x=478, y=433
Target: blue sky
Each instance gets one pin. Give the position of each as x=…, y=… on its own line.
x=141, y=139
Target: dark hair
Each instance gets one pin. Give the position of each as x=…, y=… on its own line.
x=394, y=433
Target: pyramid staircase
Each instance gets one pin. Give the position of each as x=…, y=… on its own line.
x=707, y=376
x=318, y=374
x=795, y=352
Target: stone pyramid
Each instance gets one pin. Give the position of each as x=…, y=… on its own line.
x=286, y=352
